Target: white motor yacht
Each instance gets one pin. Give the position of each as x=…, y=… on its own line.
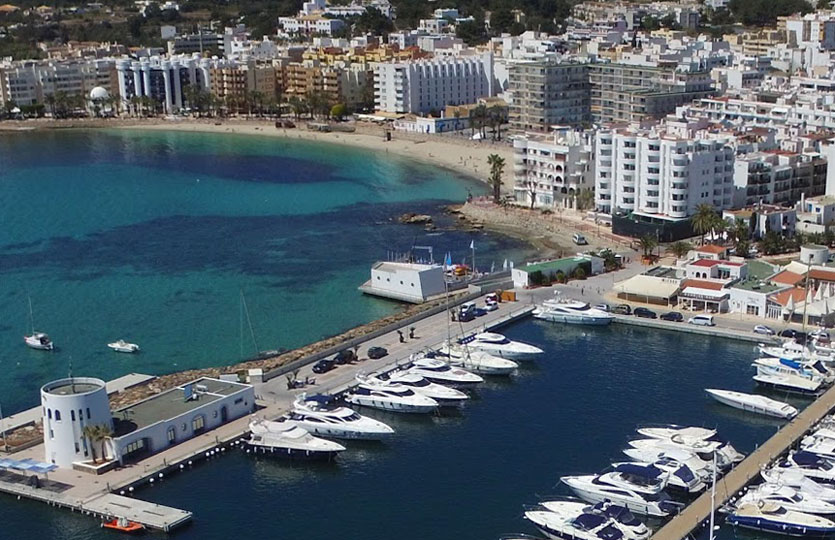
x=678, y=476
x=799, y=481
x=579, y=527
x=498, y=345
x=703, y=449
x=290, y=441
x=753, y=403
x=123, y=346
x=371, y=392
x=819, y=443
x=769, y=517
x=789, y=350
x=694, y=437
x=39, y=341
x=611, y=487
x=703, y=469
x=783, y=366
x=787, y=497
x=436, y=370
x=317, y=415
x=571, y=312
x=786, y=382
x=809, y=465
x=444, y=395
x=632, y=527
x=476, y=361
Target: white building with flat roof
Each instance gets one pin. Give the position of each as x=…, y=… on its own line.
x=408, y=282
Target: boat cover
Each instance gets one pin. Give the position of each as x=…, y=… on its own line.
x=647, y=471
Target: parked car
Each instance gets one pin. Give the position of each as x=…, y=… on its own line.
x=701, y=320
x=603, y=307
x=622, y=309
x=579, y=239
x=644, y=313
x=673, y=316
x=491, y=302
x=344, y=356
x=377, y=352
x=764, y=330
x=467, y=312
x=323, y=366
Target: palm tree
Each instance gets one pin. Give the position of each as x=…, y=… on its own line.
x=720, y=226
x=610, y=260
x=50, y=102
x=90, y=432
x=497, y=116
x=703, y=220
x=496, y=163
x=648, y=243
x=679, y=249
x=481, y=114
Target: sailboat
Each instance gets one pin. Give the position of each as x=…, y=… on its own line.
x=245, y=315
x=37, y=340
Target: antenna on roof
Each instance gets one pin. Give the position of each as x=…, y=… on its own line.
x=72, y=381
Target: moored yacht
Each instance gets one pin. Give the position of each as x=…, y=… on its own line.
x=809, y=370
x=39, y=341
x=678, y=475
x=317, y=415
x=647, y=500
x=808, y=464
x=672, y=456
x=438, y=371
x=800, y=482
x=287, y=440
x=703, y=449
x=787, y=382
x=787, y=497
x=579, y=527
x=498, y=345
x=476, y=361
x=753, y=403
x=444, y=395
x=377, y=394
x=687, y=437
x=571, y=312
x=632, y=527
x=123, y=346
x=770, y=517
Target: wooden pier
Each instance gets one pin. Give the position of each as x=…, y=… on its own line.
x=732, y=483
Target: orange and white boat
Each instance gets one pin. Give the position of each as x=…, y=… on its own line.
x=123, y=525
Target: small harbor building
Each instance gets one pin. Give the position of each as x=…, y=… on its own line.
x=404, y=281
x=531, y=274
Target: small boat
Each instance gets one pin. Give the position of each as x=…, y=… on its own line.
x=786, y=382
x=753, y=403
x=498, y=345
x=39, y=341
x=813, y=369
x=438, y=371
x=770, y=517
x=123, y=525
x=123, y=346
x=289, y=441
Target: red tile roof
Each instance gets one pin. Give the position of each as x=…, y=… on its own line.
x=702, y=284
x=787, y=278
x=710, y=248
x=797, y=293
x=706, y=263
x=822, y=275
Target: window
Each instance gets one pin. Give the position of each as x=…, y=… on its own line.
x=72, y=418
x=197, y=423
x=172, y=435
x=49, y=413
x=214, y=414
x=88, y=413
x=57, y=415
x=76, y=448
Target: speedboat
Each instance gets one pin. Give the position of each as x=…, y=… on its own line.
x=770, y=517
x=678, y=475
x=288, y=440
x=476, y=361
x=632, y=527
x=787, y=382
x=318, y=416
x=703, y=469
x=809, y=465
x=799, y=481
x=444, y=395
x=38, y=340
x=123, y=525
x=810, y=370
x=787, y=497
x=789, y=350
x=571, y=312
x=498, y=345
x=123, y=346
x=377, y=394
x=703, y=449
x=753, y=403
x=438, y=371
x=646, y=500
x=695, y=437
x=820, y=443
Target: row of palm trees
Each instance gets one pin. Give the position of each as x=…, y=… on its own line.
x=483, y=117
x=97, y=434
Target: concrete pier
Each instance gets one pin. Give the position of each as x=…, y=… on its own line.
x=732, y=483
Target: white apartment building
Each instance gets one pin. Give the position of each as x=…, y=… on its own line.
x=29, y=82
x=814, y=113
x=420, y=86
x=654, y=174
x=778, y=177
x=165, y=78
x=815, y=30
x=308, y=25
x=553, y=169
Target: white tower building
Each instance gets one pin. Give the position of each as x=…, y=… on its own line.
x=68, y=406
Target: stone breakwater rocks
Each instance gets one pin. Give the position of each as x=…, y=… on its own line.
x=415, y=219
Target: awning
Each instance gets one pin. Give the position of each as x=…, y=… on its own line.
x=643, y=285
x=704, y=294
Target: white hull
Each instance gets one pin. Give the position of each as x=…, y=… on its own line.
x=647, y=508
x=124, y=347
x=547, y=315
x=340, y=433
x=753, y=403
x=389, y=405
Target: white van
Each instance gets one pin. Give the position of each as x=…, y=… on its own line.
x=579, y=239
x=702, y=320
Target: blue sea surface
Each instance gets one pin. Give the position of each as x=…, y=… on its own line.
x=151, y=237
x=463, y=475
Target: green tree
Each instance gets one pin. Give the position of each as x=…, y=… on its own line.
x=501, y=20
x=496, y=163
x=585, y=199
x=703, y=220
x=339, y=111
x=91, y=433
x=648, y=243
x=650, y=23
x=679, y=249
x=772, y=243
x=610, y=259
x=579, y=273
x=472, y=32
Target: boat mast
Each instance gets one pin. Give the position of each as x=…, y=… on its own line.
x=249, y=322
x=712, y=498
x=31, y=315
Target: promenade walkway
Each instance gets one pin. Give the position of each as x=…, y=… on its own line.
x=742, y=474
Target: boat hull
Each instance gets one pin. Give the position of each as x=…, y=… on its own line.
x=337, y=433
x=390, y=406
x=788, y=529
x=751, y=407
x=776, y=384
x=291, y=453
x=639, y=507
x=573, y=319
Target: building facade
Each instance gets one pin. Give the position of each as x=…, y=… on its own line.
x=545, y=94
x=778, y=177
x=553, y=170
x=30, y=82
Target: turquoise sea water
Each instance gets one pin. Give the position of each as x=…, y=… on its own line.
x=151, y=236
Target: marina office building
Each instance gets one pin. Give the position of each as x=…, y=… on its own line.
x=144, y=428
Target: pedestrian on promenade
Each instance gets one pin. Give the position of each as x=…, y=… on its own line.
x=400, y=334
x=411, y=332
